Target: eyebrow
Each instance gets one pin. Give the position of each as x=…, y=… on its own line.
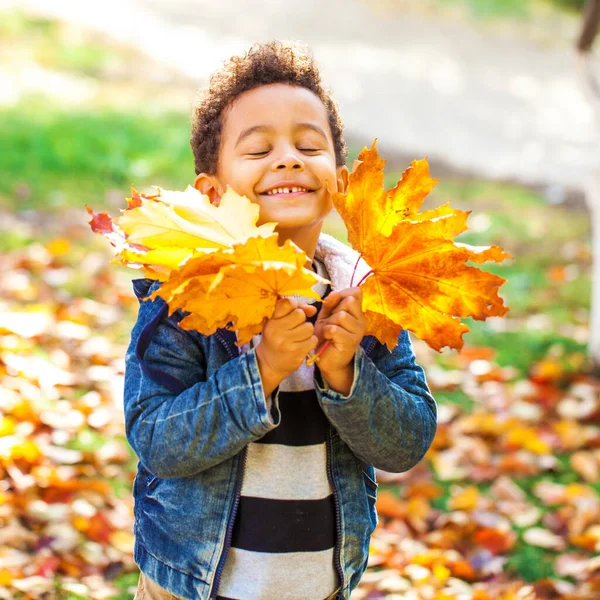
x=267, y=128
x=250, y=131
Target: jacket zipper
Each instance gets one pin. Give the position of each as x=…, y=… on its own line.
x=338, y=527
x=237, y=493
x=229, y=533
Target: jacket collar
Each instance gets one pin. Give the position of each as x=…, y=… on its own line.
x=339, y=260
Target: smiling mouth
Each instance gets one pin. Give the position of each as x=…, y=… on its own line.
x=287, y=191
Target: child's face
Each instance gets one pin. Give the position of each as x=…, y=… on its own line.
x=277, y=150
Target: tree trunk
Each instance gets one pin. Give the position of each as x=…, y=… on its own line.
x=591, y=86
x=593, y=201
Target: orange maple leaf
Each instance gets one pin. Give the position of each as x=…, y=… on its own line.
x=238, y=288
x=418, y=278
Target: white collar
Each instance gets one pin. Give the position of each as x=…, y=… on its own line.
x=339, y=260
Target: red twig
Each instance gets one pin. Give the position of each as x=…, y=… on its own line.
x=313, y=358
x=354, y=272
x=364, y=277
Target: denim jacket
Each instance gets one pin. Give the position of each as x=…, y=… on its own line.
x=192, y=405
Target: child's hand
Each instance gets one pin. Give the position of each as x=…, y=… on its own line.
x=342, y=321
x=287, y=338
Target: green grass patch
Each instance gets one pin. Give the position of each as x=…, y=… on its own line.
x=530, y=562
x=57, y=46
x=87, y=440
x=65, y=159
x=514, y=9
x=125, y=582
x=457, y=397
x=523, y=348
x=14, y=240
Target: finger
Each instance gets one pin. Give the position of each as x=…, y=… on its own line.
x=309, y=309
x=338, y=335
x=352, y=305
x=345, y=320
x=353, y=292
x=284, y=306
x=292, y=319
x=310, y=344
x=329, y=304
x=301, y=333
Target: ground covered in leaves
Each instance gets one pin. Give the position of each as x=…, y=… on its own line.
x=504, y=506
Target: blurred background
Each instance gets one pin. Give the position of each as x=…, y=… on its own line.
x=96, y=96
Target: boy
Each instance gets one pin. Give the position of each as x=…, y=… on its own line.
x=256, y=472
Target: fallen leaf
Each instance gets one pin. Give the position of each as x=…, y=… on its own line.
x=586, y=464
x=536, y=536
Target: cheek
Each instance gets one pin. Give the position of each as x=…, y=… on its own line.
x=238, y=179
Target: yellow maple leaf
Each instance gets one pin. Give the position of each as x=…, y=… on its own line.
x=238, y=288
x=419, y=279
x=158, y=233
x=188, y=220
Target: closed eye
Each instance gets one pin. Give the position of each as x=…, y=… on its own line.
x=258, y=153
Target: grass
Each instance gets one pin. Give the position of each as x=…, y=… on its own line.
x=61, y=47
x=530, y=562
x=516, y=9
x=457, y=397
x=523, y=348
x=67, y=159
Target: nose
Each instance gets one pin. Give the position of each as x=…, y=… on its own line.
x=288, y=160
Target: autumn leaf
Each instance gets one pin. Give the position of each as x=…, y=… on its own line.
x=189, y=220
x=158, y=233
x=238, y=288
x=419, y=278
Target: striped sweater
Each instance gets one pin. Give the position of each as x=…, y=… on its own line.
x=284, y=534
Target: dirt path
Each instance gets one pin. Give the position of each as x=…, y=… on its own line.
x=495, y=105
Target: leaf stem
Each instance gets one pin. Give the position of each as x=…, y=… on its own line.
x=355, y=267
x=313, y=358
x=365, y=276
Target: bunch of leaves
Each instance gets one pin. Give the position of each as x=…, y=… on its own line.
x=215, y=263
x=418, y=277
x=212, y=257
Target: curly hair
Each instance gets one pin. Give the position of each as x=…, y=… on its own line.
x=263, y=64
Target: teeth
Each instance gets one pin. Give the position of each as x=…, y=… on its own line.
x=286, y=190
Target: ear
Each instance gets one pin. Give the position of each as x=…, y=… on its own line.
x=210, y=186
x=342, y=179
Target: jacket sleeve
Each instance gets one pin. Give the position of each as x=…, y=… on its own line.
x=389, y=418
x=178, y=421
